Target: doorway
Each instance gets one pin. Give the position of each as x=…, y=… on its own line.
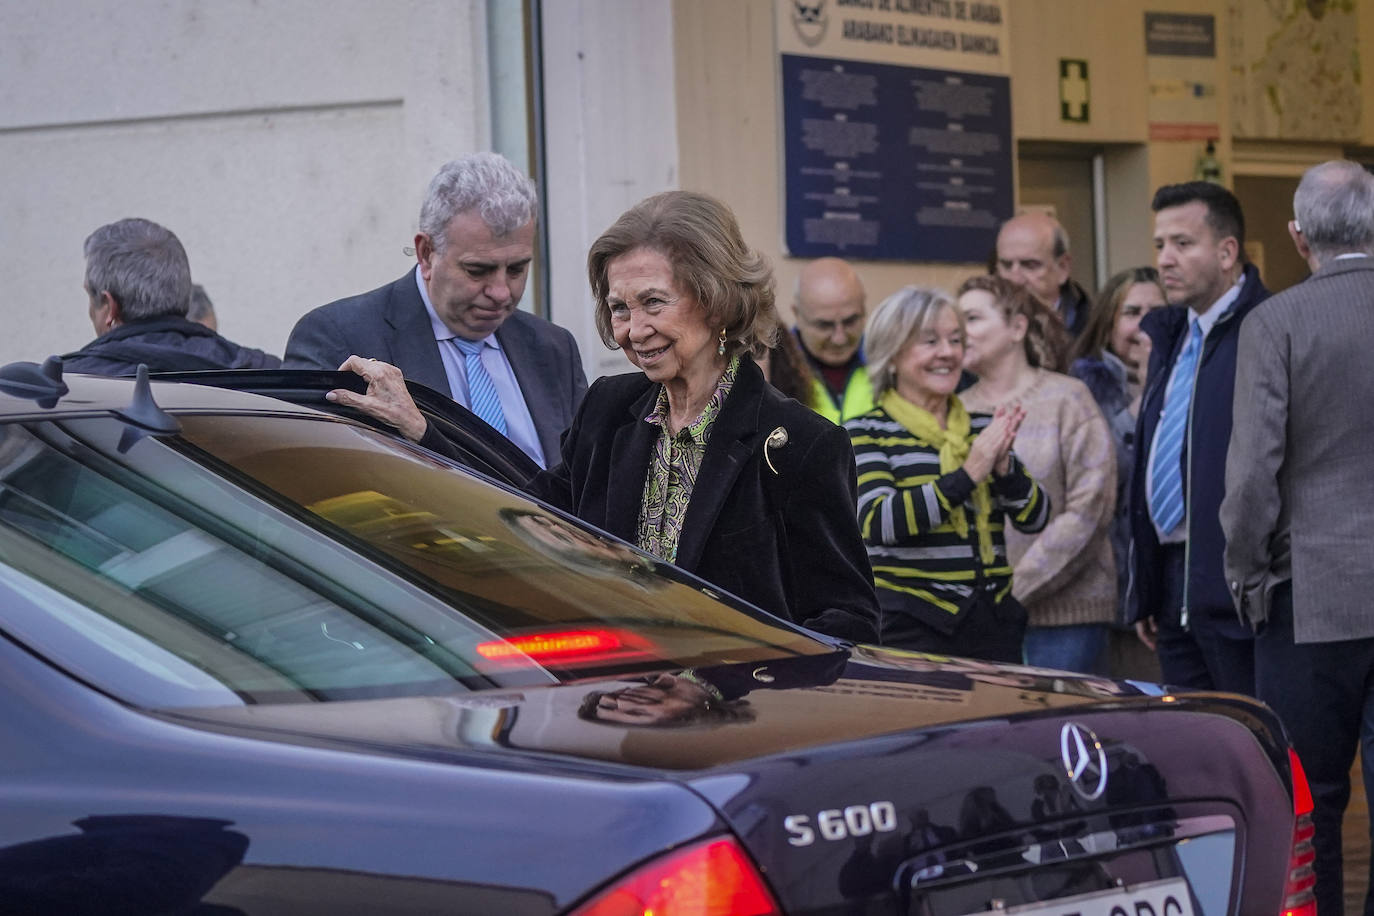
x=1267, y=202
x=1058, y=178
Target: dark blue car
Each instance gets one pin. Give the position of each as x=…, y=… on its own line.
x=259, y=658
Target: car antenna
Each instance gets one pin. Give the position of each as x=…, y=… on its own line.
x=39, y=383
x=143, y=410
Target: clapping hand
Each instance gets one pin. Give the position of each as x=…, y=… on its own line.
x=991, y=451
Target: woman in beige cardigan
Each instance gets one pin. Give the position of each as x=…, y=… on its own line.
x=1065, y=575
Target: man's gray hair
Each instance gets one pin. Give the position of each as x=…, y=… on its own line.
x=485, y=182
x=1334, y=207
x=142, y=266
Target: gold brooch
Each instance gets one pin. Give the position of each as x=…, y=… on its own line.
x=776, y=439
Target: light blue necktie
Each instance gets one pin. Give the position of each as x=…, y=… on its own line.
x=482, y=397
x=1166, y=471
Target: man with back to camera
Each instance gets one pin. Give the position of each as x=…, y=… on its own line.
x=1299, y=547
x=138, y=287
x=1033, y=252
x=452, y=323
x=829, y=310
x=1177, y=592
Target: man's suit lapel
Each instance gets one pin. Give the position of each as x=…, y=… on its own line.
x=733, y=437
x=535, y=372
x=413, y=347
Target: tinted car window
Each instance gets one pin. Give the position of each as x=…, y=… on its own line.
x=283, y=559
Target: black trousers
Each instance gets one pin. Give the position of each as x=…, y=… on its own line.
x=1324, y=693
x=993, y=633
x=1214, y=652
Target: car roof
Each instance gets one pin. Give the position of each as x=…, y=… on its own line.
x=29, y=391
x=85, y=395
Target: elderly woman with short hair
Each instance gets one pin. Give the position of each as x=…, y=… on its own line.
x=696, y=458
x=936, y=486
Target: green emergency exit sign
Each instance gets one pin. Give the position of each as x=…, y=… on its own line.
x=1073, y=90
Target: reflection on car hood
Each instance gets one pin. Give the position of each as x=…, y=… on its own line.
x=755, y=711
x=825, y=767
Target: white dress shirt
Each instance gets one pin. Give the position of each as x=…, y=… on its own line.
x=519, y=423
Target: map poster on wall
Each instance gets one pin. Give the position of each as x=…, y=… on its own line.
x=896, y=119
x=1295, y=69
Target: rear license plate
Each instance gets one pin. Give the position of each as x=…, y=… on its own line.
x=1169, y=897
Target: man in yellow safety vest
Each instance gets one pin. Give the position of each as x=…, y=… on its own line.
x=829, y=308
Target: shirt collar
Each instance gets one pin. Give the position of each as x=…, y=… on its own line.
x=699, y=427
x=1209, y=318
x=441, y=330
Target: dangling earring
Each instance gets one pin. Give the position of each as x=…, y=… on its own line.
x=720, y=350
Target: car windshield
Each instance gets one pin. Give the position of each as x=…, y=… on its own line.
x=260, y=559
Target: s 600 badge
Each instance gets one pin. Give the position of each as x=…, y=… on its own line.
x=836, y=823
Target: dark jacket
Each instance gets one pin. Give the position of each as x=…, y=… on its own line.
x=1205, y=595
x=168, y=343
x=391, y=323
x=787, y=541
x=1074, y=306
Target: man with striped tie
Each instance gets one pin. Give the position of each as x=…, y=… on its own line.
x=452, y=322
x=1178, y=592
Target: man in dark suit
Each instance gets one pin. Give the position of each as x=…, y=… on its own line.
x=453, y=322
x=1299, y=542
x=1178, y=589
x=1033, y=251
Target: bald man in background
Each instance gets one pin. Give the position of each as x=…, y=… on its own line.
x=830, y=312
x=1033, y=251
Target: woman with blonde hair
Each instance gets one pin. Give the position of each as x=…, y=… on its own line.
x=1065, y=575
x=936, y=487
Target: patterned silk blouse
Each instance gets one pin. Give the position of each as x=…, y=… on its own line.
x=673, y=470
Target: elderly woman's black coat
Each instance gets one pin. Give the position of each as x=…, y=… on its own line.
x=788, y=541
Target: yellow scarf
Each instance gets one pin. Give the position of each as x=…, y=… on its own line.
x=953, y=441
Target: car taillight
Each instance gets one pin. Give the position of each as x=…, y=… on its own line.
x=552, y=646
x=1298, y=898
x=713, y=878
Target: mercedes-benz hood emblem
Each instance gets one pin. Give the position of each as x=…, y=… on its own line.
x=1085, y=762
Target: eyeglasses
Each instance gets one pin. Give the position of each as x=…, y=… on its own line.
x=851, y=323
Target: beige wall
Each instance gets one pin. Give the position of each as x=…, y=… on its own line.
x=728, y=118
x=728, y=135
x=1109, y=37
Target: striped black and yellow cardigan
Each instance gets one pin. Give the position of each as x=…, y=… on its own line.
x=921, y=564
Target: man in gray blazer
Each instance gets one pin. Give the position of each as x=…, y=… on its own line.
x=453, y=323
x=1299, y=508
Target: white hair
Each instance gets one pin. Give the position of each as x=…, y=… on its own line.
x=1334, y=207
x=487, y=183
